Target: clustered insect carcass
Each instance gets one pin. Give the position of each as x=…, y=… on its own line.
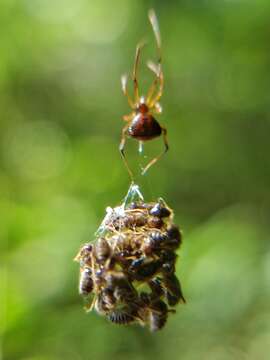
x=128, y=273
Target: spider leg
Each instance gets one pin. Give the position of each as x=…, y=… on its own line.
x=157, y=108
x=155, y=68
x=159, y=78
x=135, y=70
x=154, y=23
x=128, y=117
x=166, y=144
x=122, y=149
x=124, y=80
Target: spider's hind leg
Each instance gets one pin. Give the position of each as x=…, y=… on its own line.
x=166, y=144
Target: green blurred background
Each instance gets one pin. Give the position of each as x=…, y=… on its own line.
x=60, y=115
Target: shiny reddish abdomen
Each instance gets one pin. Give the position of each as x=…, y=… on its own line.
x=144, y=127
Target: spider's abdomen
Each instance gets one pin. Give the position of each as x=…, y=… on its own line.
x=144, y=127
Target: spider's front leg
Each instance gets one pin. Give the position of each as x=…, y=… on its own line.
x=159, y=79
x=135, y=72
x=156, y=69
x=124, y=80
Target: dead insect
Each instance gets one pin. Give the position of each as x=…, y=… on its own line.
x=84, y=255
x=138, y=205
x=170, y=239
x=122, y=258
x=157, y=238
x=141, y=124
x=131, y=219
x=160, y=244
x=121, y=316
x=99, y=277
x=160, y=210
x=152, y=312
x=153, y=243
x=155, y=222
x=101, y=304
x=102, y=250
x=168, y=259
x=135, y=219
x=120, y=286
x=174, y=237
x=168, y=268
x=108, y=298
x=158, y=315
x=156, y=287
x=86, y=282
x=143, y=269
x=173, y=291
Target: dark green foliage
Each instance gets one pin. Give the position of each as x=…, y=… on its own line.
x=60, y=122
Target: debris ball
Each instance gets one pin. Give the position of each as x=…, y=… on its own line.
x=128, y=273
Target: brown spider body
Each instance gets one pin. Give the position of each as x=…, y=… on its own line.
x=144, y=127
x=141, y=124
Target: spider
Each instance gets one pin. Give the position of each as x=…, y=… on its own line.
x=141, y=124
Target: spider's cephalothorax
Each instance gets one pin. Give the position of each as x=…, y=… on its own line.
x=141, y=124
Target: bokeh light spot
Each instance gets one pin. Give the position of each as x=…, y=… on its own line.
x=36, y=150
